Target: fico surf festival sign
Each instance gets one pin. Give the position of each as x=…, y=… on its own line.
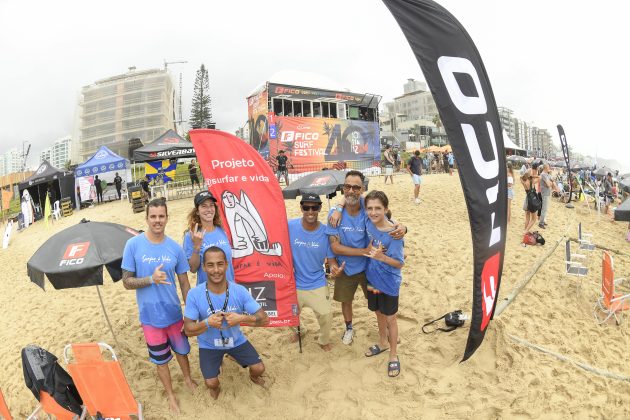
x=254, y=219
x=460, y=86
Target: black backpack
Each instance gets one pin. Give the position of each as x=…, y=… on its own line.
x=539, y=238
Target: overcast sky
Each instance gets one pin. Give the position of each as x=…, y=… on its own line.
x=550, y=61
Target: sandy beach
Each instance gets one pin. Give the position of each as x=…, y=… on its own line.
x=504, y=379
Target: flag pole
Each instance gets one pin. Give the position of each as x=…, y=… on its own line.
x=299, y=338
x=106, y=317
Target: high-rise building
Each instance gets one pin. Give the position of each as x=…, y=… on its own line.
x=12, y=161
x=59, y=153
x=137, y=104
x=506, y=116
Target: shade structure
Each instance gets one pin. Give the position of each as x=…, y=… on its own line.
x=326, y=182
x=516, y=158
x=622, y=213
x=169, y=145
x=603, y=171
x=625, y=185
x=75, y=256
x=624, y=176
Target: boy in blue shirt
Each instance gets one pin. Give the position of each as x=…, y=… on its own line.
x=214, y=310
x=310, y=250
x=150, y=262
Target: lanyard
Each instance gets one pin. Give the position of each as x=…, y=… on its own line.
x=225, y=304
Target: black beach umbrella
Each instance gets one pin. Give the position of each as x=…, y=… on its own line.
x=625, y=184
x=624, y=176
x=326, y=182
x=516, y=158
x=75, y=256
x=622, y=213
x=603, y=171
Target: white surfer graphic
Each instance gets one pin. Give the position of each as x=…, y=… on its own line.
x=247, y=228
x=27, y=208
x=7, y=234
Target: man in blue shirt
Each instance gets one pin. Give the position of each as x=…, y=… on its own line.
x=214, y=310
x=310, y=249
x=150, y=262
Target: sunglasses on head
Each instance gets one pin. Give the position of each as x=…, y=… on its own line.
x=316, y=207
x=355, y=188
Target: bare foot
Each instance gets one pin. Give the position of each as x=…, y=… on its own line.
x=214, y=393
x=326, y=347
x=174, y=406
x=258, y=380
x=192, y=385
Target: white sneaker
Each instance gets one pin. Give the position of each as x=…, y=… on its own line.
x=417, y=201
x=348, y=336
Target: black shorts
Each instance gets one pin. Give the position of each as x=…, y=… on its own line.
x=210, y=360
x=386, y=304
x=194, y=180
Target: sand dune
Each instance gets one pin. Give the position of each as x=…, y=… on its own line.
x=503, y=379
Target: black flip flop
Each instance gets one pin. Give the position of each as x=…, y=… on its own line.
x=393, y=368
x=375, y=350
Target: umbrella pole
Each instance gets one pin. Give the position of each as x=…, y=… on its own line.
x=299, y=338
x=328, y=203
x=106, y=317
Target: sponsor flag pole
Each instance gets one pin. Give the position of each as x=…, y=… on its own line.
x=565, y=152
x=461, y=88
x=254, y=219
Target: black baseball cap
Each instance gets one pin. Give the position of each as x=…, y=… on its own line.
x=280, y=151
x=311, y=198
x=203, y=196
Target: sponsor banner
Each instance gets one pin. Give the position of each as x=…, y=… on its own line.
x=460, y=86
x=320, y=140
x=253, y=217
x=258, y=123
x=565, y=152
x=299, y=93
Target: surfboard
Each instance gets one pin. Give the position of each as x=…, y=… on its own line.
x=7, y=234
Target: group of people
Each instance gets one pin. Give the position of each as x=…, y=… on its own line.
x=538, y=185
x=361, y=246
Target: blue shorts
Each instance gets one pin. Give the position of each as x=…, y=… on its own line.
x=210, y=359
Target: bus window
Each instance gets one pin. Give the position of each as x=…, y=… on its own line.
x=326, y=109
x=306, y=109
x=277, y=107
x=317, y=109
x=353, y=112
x=297, y=108
x=288, y=108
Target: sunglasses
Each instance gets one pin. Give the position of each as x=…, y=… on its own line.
x=317, y=207
x=355, y=188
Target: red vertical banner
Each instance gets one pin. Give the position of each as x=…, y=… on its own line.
x=254, y=219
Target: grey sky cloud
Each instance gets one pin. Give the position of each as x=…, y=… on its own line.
x=550, y=61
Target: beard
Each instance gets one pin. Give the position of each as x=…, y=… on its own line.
x=352, y=200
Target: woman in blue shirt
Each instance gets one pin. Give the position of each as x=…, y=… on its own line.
x=205, y=230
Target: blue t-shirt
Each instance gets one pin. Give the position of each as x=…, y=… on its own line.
x=451, y=159
x=383, y=276
x=197, y=309
x=310, y=250
x=351, y=232
x=215, y=238
x=158, y=304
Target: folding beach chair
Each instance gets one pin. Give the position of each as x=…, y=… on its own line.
x=4, y=410
x=574, y=268
x=585, y=239
x=609, y=303
x=48, y=405
x=101, y=383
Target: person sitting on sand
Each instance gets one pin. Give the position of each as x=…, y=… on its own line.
x=384, y=277
x=310, y=250
x=214, y=310
x=150, y=262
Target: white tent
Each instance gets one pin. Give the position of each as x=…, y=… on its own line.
x=509, y=144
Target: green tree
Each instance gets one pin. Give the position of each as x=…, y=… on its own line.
x=201, y=112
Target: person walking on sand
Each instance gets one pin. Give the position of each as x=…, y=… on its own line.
x=214, y=310
x=118, y=183
x=150, y=263
x=546, y=186
x=388, y=164
x=99, y=189
x=310, y=250
x=204, y=231
x=414, y=166
x=386, y=260
x=510, y=190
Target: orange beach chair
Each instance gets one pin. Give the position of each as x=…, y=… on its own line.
x=610, y=303
x=4, y=410
x=48, y=405
x=101, y=383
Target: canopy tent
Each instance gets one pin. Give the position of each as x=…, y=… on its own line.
x=509, y=144
x=169, y=145
x=38, y=184
x=105, y=164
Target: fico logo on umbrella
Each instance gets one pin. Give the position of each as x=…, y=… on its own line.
x=75, y=254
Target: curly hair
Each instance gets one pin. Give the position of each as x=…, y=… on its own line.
x=194, y=219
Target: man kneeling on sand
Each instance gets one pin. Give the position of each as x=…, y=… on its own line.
x=214, y=310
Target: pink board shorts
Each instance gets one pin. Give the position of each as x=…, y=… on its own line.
x=160, y=341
